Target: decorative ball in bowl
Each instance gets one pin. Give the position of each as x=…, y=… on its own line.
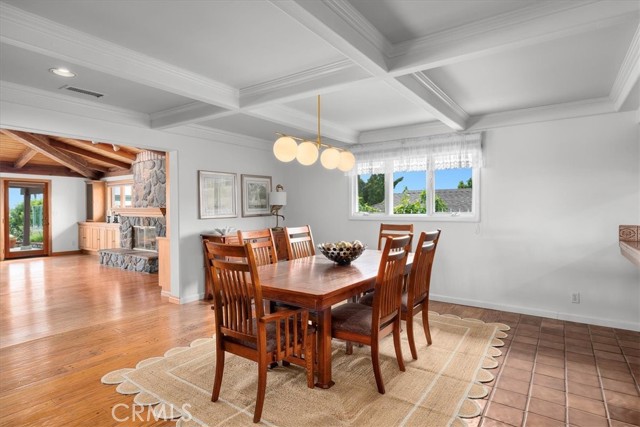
x=342, y=252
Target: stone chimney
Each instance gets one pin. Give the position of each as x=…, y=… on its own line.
x=149, y=180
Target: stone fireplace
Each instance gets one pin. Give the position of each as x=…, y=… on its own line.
x=144, y=238
x=141, y=224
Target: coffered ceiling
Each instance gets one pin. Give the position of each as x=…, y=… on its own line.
x=385, y=68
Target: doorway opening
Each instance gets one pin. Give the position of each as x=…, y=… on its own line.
x=25, y=228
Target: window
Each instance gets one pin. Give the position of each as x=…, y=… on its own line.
x=424, y=178
x=119, y=194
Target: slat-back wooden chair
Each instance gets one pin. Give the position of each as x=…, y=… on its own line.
x=393, y=230
x=242, y=327
x=264, y=249
x=416, y=297
x=263, y=245
x=299, y=242
x=366, y=325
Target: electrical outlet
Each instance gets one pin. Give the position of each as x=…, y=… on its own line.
x=73, y=243
x=575, y=298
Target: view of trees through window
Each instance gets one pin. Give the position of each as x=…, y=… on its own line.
x=411, y=195
x=16, y=217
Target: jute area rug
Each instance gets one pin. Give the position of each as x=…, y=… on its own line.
x=436, y=390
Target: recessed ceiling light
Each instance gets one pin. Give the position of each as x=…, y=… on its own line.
x=62, y=72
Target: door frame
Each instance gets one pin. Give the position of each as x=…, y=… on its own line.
x=5, y=253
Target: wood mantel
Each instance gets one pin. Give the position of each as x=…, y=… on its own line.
x=140, y=212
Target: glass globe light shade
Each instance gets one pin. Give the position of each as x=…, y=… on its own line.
x=307, y=153
x=330, y=158
x=285, y=149
x=347, y=161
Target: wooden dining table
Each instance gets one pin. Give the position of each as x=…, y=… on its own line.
x=317, y=283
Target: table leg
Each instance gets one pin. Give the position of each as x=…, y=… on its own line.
x=324, y=349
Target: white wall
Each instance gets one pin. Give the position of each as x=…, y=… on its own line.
x=218, y=157
x=67, y=196
x=552, y=195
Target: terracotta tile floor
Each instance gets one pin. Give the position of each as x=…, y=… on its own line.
x=558, y=373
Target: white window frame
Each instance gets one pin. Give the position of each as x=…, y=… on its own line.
x=431, y=215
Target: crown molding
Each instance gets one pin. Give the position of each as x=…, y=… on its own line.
x=589, y=107
x=569, y=110
x=628, y=74
x=400, y=132
x=186, y=114
x=31, y=32
x=537, y=23
x=24, y=95
x=220, y=136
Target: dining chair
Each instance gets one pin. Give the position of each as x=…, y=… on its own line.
x=242, y=328
x=393, y=230
x=363, y=324
x=415, y=299
x=299, y=242
x=264, y=249
x=263, y=245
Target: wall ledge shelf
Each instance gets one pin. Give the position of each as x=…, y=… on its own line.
x=629, y=241
x=140, y=212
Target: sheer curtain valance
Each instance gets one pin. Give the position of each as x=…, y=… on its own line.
x=446, y=151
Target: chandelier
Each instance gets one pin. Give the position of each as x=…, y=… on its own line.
x=286, y=148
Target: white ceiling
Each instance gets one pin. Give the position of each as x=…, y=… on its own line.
x=384, y=68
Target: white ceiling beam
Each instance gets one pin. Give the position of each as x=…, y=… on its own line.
x=537, y=23
x=34, y=33
x=319, y=80
x=342, y=26
x=433, y=99
x=306, y=123
x=185, y=114
x=628, y=74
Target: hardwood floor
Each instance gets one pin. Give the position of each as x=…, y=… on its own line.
x=66, y=321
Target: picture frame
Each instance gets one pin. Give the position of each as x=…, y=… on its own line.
x=255, y=195
x=217, y=194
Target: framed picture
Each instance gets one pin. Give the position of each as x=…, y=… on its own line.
x=255, y=195
x=217, y=194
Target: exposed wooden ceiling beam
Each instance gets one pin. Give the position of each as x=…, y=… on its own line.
x=117, y=172
x=91, y=155
x=42, y=145
x=24, y=158
x=108, y=148
x=8, y=167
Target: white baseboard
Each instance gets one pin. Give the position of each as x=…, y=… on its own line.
x=538, y=312
x=191, y=298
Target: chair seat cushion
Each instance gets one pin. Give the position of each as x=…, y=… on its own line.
x=367, y=299
x=271, y=336
x=352, y=317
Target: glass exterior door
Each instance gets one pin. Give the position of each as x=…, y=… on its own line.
x=26, y=225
